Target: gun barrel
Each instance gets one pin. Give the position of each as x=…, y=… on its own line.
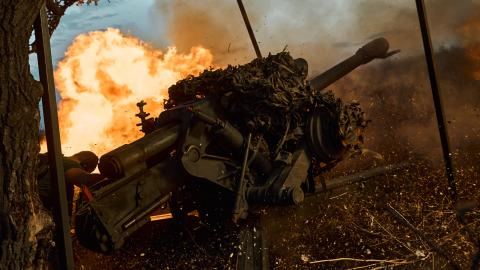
x=131, y=158
x=377, y=48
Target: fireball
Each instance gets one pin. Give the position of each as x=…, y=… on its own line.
x=102, y=77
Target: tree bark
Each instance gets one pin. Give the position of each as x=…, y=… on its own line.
x=25, y=228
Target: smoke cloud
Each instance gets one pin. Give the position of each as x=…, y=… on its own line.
x=321, y=31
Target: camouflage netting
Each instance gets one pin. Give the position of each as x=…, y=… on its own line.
x=272, y=96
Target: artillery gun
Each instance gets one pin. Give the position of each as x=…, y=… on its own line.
x=228, y=140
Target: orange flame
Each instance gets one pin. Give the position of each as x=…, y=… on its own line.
x=474, y=52
x=469, y=33
x=102, y=77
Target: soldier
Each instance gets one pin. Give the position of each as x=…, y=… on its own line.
x=77, y=169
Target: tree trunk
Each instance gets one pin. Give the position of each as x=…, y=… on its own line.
x=25, y=229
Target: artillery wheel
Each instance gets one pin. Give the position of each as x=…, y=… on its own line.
x=89, y=231
x=253, y=249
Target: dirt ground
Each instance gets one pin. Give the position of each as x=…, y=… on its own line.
x=359, y=223
x=354, y=227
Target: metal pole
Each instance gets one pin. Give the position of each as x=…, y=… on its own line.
x=437, y=99
x=239, y=206
x=360, y=176
x=249, y=29
x=55, y=159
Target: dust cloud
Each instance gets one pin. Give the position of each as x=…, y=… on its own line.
x=394, y=93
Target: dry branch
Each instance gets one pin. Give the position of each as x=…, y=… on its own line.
x=440, y=251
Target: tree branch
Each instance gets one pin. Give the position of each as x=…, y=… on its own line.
x=54, y=8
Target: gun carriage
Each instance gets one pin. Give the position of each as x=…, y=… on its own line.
x=228, y=140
